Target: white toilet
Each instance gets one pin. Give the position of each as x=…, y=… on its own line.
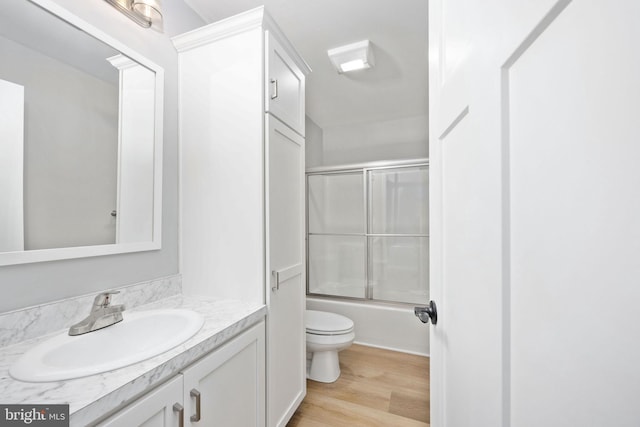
x=327, y=334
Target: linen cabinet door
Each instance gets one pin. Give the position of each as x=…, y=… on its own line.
x=226, y=388
x=158, y=408
x=286, y=353
x=285, y=86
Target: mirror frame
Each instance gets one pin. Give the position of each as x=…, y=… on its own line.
x=40, y=255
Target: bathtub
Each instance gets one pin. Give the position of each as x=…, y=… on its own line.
x=380, y=325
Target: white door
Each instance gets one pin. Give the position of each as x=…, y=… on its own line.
x=535, y=188
x=286, y=353
x=136, y=147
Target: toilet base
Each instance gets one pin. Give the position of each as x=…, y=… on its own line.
x=324, y=367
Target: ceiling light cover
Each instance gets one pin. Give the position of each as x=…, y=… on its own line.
x=352, y=57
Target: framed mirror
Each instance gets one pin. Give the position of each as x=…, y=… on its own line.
x=80, y=139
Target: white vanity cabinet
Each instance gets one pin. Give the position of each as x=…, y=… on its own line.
x=225, y=388
x=242, y=89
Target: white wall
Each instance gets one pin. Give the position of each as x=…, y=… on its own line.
x=30, y=284
x=389, y=139
x=313, y=143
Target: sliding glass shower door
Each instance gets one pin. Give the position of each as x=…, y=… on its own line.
x=336, y=235
x=398, y=234
x=368, y=233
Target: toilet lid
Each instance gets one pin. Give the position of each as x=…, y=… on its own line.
x=324, y=323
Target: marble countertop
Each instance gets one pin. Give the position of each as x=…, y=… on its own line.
x=92, y=397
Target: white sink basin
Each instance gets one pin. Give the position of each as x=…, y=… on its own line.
x=141, y=335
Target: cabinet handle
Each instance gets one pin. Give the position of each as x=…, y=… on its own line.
x=180, y=410
x=274, y=94
x=281, y=276
x=195, y=393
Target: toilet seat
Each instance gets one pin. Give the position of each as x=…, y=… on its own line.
x=323, y=323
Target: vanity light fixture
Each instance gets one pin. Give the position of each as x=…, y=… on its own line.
x=352, y=57
x=143, y=12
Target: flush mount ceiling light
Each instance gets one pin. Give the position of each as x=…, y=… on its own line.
x=352, y=57
x=143, y=12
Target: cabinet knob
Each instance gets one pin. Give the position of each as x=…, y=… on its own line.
x=180, y=410
x=195, y=393
x=274, y=94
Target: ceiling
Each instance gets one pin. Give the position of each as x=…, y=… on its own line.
x=396, y=87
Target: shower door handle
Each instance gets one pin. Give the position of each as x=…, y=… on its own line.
x=428, y=313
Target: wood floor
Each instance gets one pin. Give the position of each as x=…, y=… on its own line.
x=376, y=388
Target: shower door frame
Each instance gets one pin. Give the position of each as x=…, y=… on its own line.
x=364, y=169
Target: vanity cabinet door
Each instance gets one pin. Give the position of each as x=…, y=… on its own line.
x=227, y=387
x=285, y=86
x=155, y=409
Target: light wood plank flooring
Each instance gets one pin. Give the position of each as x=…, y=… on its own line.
x=377, y=388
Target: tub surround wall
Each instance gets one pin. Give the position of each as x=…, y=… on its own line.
x=378, y=325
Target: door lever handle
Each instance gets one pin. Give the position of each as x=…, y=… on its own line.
x=427, y=313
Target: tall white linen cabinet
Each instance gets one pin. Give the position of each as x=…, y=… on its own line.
x=242, y=92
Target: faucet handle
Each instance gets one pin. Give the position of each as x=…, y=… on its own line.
x=103, y=299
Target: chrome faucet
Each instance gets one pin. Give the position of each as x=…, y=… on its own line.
x=102, y=314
